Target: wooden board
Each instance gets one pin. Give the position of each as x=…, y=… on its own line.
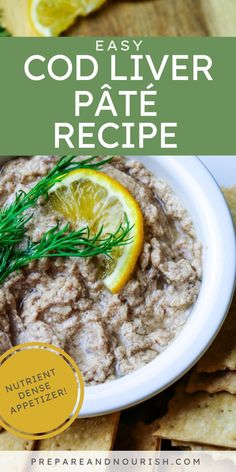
x=141, y=18
x=161, y=18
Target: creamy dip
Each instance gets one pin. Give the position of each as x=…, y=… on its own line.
x=64, y=302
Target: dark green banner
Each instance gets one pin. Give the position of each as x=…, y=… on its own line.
x=118, y=95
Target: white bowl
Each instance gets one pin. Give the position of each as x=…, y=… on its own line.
x=199, y=193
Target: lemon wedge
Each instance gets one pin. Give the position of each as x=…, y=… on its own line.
x=52, y=17
x=91, y=198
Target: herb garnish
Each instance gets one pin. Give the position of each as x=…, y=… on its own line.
x=63, y=242
x=17, y=250
x=12, y=217
x=3, y=31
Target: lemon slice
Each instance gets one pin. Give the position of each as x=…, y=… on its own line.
x=87, y=197
x=51, y=17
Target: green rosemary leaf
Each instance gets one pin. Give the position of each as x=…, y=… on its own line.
x=65, y=165
x=4, y=32
x=63, y=242
x=14, y=217
x=5, y=257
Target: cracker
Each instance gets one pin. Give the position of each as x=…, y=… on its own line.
x=92, y=434
x=222, y=353
x=212, y=383
x=230, y=195
x=188, y=446
x=201, y=418
x=144, y=439
x=137, y=437
x=14, y=17
x=8, y=442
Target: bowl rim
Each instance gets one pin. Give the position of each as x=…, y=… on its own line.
x=151, y=379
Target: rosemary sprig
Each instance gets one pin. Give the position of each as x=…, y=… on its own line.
x=64, y=242
x=13, y=218
x=3, y=31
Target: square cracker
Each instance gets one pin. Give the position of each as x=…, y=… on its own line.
x=92, y=434
x=224, y=381
x=14, y=17
x=201, y=418
x=8, y=442
x=222, y=353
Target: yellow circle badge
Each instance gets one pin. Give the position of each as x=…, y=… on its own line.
x=41, y=390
